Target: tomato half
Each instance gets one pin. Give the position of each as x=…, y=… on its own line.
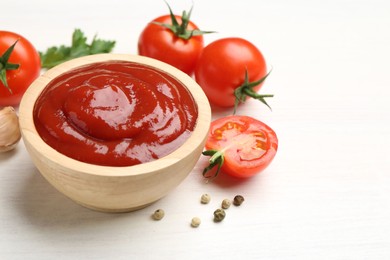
x=243, y=145
x=163, y=44
x=25, y=55
x=222, y=67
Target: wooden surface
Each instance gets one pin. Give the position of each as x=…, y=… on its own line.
x=325, y=196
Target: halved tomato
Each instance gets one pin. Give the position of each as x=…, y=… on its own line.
x=240, y=146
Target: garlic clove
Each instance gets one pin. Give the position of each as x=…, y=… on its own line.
x=9, y=129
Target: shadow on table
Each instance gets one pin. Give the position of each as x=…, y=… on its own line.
x=7, y=155
x=47, y=209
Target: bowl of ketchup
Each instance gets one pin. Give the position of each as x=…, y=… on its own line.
x=114, y=132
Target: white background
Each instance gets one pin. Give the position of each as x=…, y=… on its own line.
x=325, y=196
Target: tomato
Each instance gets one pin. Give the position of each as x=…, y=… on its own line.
x=240, y=146
x=18, y=78
x=227, y=64
x=172, y=39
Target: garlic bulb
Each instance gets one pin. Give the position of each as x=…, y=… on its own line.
x=9, y=129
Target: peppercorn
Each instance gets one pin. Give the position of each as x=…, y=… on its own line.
x=219, y=215
x=226, y=203
x=158, y=214
x=195, y=222
x=205, y=198
x=238, y=200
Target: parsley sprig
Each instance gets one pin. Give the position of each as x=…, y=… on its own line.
x=79, y=47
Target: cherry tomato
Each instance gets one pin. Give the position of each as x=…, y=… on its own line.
x=172, y=39
x=240, y=146
x=227, y=64
x=19, y=77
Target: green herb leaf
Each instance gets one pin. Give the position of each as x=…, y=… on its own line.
x=79, y=47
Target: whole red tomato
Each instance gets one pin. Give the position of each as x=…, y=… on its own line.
x=19, y=69
x=240, y=146
x=172, y=39
x=229, y=70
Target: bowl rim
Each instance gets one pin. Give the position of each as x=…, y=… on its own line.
x=30, y=134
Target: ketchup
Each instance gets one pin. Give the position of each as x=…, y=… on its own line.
x=115, y=113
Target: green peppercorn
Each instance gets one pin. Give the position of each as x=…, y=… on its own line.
x=219, y=215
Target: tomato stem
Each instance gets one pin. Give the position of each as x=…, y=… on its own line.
x=217, y=159
x=246, y=89
x=4, y=65
x=180, y=30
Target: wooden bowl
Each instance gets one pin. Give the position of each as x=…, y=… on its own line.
x=107, y=188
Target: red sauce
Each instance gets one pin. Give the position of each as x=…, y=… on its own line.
x=115, y=113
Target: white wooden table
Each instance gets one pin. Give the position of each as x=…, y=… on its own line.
x=325, y=196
